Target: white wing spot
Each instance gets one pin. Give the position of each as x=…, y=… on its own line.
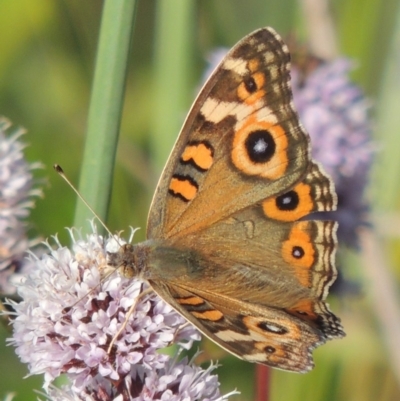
x=273, y=70
x=271, y=327
x=260, y=146
x=216, y=110
x=269, y=57
x=249, y=228
x=237, y=65
x=265, y=114
x=255, y=357
x=230, y=335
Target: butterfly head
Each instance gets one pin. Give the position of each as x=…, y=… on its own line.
x=125, y=260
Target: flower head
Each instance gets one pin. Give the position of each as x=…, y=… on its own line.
x=74, y=321
x=16, y=199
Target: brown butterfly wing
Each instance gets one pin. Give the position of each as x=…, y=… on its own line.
x=230, y=248
x=266, y=335
x=256, y=282
x=241, y=143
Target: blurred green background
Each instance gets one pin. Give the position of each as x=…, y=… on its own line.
x=47, y=54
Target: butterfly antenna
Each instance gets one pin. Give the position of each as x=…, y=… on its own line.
x=60, y=171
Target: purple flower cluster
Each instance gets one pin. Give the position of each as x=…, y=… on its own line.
x=73, y=308
x=335, y=113
x=16, y=199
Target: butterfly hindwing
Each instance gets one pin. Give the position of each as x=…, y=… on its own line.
x=257, y=284
x=265, y=336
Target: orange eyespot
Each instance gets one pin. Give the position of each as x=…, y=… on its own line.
x=299, y=252
x=259, y=148
x=290, y=206
x=251, y=89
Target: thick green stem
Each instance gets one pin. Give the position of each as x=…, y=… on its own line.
x=105, y=108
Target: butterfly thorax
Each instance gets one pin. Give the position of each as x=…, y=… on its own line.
x=155, y=260
x=130, y=260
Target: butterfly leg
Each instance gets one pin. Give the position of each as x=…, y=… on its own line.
x=128, y=315
x=178, y=331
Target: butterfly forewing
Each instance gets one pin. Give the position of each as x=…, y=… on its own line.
x=242, y=141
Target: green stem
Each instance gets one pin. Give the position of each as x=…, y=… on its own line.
x=105, y=108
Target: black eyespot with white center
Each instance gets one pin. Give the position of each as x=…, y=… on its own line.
x=260, y=146
x=298, y=252
x=269, y=349
x=250, y=85
x=272, y=328
x=288, y=201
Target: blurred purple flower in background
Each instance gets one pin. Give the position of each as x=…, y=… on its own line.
x=17, y=193
x=335, y=113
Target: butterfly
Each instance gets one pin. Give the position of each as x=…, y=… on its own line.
x=230, y=244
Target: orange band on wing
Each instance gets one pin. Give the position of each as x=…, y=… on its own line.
x=212, y=315
x=183, y=187
x=190, y=301
x=198, y=154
